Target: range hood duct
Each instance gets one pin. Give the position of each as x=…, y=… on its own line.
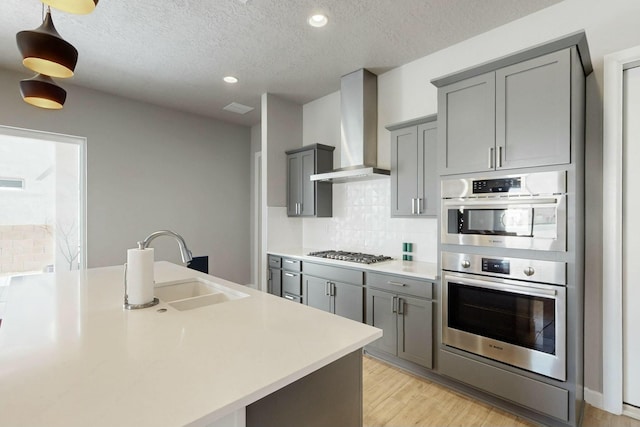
x=358, y=130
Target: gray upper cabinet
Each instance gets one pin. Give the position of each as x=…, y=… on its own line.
x=304, y=197
x=466, y=111
x=533, y=112
x=414, y=175
x=514, y=117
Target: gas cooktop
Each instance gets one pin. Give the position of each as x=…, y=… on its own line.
x=351, y=256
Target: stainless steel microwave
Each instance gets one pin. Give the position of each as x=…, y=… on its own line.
x=527, y=211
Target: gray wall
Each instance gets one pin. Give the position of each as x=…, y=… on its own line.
x=281, y=131
x=151, y=168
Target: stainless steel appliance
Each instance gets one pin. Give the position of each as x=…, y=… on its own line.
x=351, y=256
x=525, y=211
x=507, y=309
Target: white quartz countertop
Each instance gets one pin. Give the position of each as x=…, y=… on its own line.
x=70, y=355
x=418, y=269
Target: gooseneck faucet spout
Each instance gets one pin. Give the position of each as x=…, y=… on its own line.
x=185, y=253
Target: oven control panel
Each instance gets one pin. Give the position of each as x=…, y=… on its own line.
x=493, y=265
x=531, y=270
x=502, y=185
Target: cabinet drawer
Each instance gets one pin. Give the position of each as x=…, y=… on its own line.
x=294, y=298
x=338, y=274
x=291, y=264
x=400, y=284
x=291, y=283
x=275, y=261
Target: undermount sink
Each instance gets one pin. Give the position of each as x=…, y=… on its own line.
x=192, y=293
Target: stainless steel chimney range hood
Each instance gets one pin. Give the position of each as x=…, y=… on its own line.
x=358, y=130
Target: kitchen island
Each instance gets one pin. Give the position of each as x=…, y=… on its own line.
x=70, y=355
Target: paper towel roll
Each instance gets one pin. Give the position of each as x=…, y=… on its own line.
x=140, y=276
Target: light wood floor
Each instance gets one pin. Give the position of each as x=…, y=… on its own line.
x=395, y=398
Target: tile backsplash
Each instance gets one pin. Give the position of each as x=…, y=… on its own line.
x=361, y=222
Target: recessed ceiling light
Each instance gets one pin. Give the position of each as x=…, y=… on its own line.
x=317, y=20
x=230, y=79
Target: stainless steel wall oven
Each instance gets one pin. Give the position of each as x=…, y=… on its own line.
x=507, y=309
x=527, y=211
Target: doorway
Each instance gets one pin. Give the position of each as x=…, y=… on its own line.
x=42, y=195
x=630, y=239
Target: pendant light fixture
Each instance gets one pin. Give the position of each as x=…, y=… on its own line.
x=41, y=91
x=79, y=7
x=45, y=52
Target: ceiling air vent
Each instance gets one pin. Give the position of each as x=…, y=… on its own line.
x=234, y=107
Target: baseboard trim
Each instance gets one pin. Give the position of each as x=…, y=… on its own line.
x=631, y=411
x=594, y=398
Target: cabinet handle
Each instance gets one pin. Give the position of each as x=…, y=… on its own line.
x=419, y=210
x=290, y=261
x=300, y=208
x=490, y=157
x=326, y=288
x=400, y=306
x=332, y=289
x=290, y=298
x=499, y=156
x=393, y=304
x=396, y=283
x=413, y=206
x=290, y=274
x=270, y=273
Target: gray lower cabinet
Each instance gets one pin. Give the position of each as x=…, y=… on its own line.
x=335, y=290
x=406, y=320
x=414, y=175
x=274, y=275
x=304, y=197
x=339, y=298
x=274, y=282
x=292, y=280
x=514, y=117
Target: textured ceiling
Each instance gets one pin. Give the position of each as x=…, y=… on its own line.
x=175, y=52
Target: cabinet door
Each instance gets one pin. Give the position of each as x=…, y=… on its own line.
x=294, y=171
x=381, y=313
x=466, y=140
x=348, y=301
x=415, y=330
x=404, y=170
x=533, y=112
x=317, y=293
x=427, y=194
x=307, y=187
x=274, y=284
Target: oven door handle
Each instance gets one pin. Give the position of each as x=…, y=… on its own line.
x=507, y=202
x=523, y=290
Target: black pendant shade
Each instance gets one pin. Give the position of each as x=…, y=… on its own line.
x=43, y=92
x=79, y=7
x=45, y=52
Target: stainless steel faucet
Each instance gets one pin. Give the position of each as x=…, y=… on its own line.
x=185, y=253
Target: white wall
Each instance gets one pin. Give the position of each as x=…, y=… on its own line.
x=406, y=92
x=151, y=168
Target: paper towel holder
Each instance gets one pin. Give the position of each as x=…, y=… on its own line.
x=128, y=306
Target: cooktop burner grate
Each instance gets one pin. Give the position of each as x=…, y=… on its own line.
x=351, y=256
